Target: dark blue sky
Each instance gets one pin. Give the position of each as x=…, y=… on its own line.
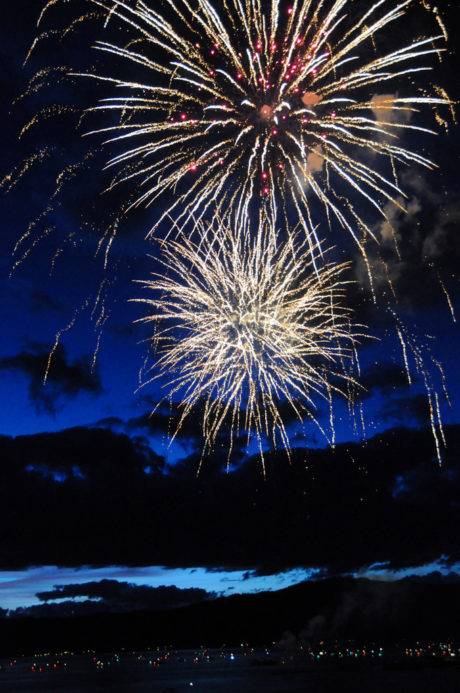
x=35, y=306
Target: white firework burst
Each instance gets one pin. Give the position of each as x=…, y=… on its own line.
x=245, y=328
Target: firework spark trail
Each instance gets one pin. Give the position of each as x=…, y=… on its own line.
x=448, y=298
x=44, y=78
x=99, y=315
x=245, y=325
x=418, y=357
x=58, y=337
x=47, y=113
x=243, y=104
x=12, y=178
x=34, y=233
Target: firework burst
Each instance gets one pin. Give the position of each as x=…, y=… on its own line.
x=240, y=104
x=246, y=328
x=281, y=114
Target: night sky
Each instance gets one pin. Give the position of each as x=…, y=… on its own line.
x=87, y=478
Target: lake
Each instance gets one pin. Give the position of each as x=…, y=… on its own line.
x=222, y=671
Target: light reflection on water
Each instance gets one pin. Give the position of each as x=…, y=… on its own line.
x=212, y=671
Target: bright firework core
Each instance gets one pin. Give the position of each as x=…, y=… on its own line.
x=277, y=107
x=266, y=112
x=246, y=328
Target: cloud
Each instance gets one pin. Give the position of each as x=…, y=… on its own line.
x=437, y=244
x=115, y=595
x=418, y=249
x=438, y=239
x=395, y=216
x=163, y=419
x=412, y=231
x=343, y=512
x=168, y=418
x=112, y=422
x=43, y=301
x=383, y=377
x=407, y=408
x=66, y=378
x=108, y=596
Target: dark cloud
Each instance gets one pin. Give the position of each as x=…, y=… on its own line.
x=163, y=419
x=43, y=301
x=407, y=409
x=419, y=250
x=108, y=596
x=66, y=378
x=128, y=331
x=113, y=595
x=83, y=496
x=167, y=417
x=110, y=422
x=434, y=578
x=155, y=422
x=383, y=377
